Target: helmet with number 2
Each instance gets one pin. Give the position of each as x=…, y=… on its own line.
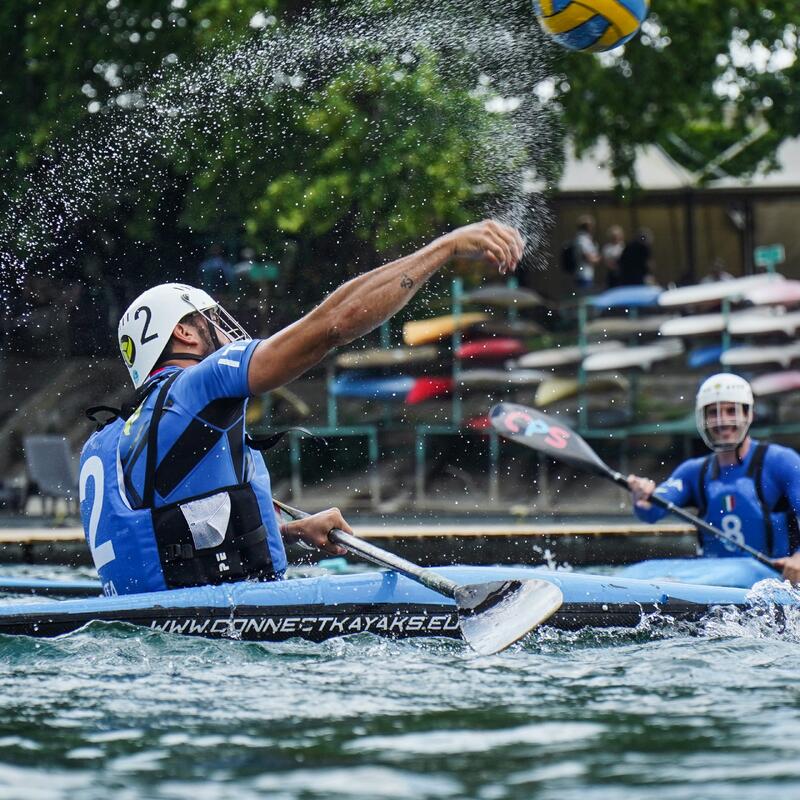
x=714, y=392
x=146, y=327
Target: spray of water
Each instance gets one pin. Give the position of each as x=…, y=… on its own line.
x=136, y=139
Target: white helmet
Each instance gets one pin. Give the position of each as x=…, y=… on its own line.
x=146, y=327
x=724, y=388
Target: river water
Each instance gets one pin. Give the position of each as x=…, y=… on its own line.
x=660, y=712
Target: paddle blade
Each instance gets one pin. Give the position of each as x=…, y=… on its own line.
x=496, y=614
x=547, y=434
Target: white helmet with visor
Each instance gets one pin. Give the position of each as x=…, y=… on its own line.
x=146, y=327
x=724, y=411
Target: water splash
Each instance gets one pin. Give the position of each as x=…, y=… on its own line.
x=774, y=614
x=142, y=135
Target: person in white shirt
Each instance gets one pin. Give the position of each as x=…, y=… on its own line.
x=587, y=256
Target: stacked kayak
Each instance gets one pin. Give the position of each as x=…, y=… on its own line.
x=384, y=603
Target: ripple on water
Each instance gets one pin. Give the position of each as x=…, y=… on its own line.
x=662, y=711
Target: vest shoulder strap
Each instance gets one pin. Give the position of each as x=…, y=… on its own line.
x=755, y=472
x=702, y=497
x=152, y=442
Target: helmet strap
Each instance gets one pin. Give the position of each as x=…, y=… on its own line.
x=212, y=332
x=178, y=356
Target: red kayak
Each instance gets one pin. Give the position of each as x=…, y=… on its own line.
x=481, y=423
x=429, y=389
x=496, y=348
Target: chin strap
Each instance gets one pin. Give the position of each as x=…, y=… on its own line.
x=176, y=356
x=212, y=333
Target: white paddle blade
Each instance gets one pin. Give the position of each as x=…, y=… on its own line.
x=494, y=615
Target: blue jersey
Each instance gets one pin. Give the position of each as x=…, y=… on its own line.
x=172, y=496
x=756, y=501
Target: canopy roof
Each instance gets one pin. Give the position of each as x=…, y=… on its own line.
x=656, y=171
x=786, y=176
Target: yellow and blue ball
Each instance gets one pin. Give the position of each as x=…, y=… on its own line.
x=591, y=25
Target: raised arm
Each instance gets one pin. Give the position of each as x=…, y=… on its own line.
x=366, y=301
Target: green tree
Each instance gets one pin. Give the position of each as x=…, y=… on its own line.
x=702, y=76
x=367, y=152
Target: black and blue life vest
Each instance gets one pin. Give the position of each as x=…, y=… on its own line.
x=227, y=533
x=739, y=508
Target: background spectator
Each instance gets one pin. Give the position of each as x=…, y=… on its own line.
x=587, y=256
x=612, y=250
x=636, y=262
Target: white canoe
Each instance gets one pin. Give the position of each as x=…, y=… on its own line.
x=563, y=356
x=774, y=323
x=786, y=293
x=501, y=378
x=377, y=357
x=504, y=297
x=555, y=390
x=698, y=324
x=738, y=288
x=776, y=383
x=624, y=326
x=783, y=354
x=642, y=357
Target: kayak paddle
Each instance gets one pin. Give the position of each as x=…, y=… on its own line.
x=492, y=615
x=43, y=587
x=549, y=435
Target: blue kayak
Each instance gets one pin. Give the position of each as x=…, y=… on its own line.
x=384, y=603
x=627, y=297
x=706, y=356
x=371, y=387
x=735, y=571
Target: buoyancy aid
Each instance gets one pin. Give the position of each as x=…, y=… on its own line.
x=223, y=535
x=738, y=507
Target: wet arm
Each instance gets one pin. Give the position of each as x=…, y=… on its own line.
x=363, y=303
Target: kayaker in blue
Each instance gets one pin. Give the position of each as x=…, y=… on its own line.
x=748, y=489
x=171, y=493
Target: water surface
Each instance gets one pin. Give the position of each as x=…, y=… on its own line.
x=662, y=712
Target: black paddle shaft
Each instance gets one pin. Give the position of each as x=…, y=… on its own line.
x=550, y=436
x=383, y=558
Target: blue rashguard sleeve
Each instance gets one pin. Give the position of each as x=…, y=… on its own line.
x=222, y=374
x=782, y=465
x=679, y=489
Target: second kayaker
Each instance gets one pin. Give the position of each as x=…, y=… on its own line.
x=748, y=489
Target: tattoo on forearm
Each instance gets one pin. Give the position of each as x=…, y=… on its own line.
x=406, y=282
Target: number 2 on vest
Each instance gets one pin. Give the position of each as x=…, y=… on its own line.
x=93, y=468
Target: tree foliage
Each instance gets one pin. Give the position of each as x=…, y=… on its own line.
x=702, y=76
x=359, y=159
x=374, y=154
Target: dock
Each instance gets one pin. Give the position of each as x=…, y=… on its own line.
x=446, y=542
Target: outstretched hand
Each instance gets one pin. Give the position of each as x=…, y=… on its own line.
x=314, y=530
x=489, y=241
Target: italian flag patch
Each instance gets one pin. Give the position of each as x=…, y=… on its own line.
x=729, y=502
